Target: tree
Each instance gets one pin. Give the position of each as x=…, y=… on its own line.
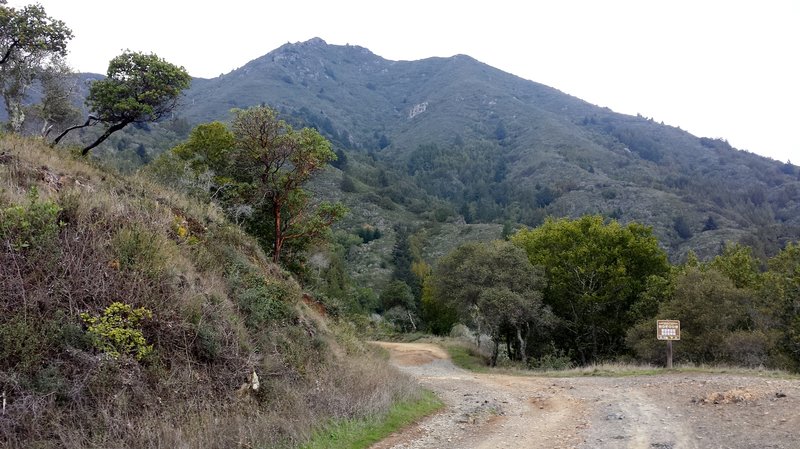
x=30, y=41
x=493, y=287
x=717, y=322
x=782, y=286
x=56, y=110
x=208, y=148
x=276, y=162
x=138, y=88
x=596, y=273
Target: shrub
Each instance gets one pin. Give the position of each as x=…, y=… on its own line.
x=116, y=332
x=265, y=303
x=139, y=249
x=34, y=225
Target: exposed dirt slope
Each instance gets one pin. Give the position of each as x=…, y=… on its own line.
x=671, y=411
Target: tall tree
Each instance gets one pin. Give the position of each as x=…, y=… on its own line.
x=30, y=42
x=493, y=287
x=138, y=88
x=56, y=110
x=277, y=161
x=596, y=273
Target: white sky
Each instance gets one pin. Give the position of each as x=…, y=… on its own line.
x=728, y=69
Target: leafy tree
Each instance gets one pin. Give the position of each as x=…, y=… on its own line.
x=138, y=88
x=681, y=226
x=275, y=162
x=595, y=273
x=208, y=148
x=782, y=285
x=710, y=224
x=56, y=111
x=30, y=42
x=738, y=264
x=493, y=287
x=717, y=322
x=398, y=304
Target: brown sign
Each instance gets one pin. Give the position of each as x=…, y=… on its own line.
x=668, y=330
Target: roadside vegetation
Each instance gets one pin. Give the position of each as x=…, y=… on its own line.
x=132, y=316
x=362, y=433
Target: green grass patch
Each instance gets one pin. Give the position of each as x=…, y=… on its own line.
x=362, y=433
x=467, y=357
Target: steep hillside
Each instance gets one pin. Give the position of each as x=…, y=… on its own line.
x=131, y=316
x=499, y=148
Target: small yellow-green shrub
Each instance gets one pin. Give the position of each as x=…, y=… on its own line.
x=116, y=331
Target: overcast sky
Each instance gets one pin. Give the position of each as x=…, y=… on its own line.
x=728, y=69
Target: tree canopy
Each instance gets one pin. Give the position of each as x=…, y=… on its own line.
x=493, y=287
x=30, y=43
x=596, y=273
x=263, y=164
x=138, y=88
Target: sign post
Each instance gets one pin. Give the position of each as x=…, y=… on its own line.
x=669, y=330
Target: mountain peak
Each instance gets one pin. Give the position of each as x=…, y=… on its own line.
x=313, y=42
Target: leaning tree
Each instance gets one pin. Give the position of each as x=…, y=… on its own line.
x=138, y=88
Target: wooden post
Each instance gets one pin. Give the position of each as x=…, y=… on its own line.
x=669, y=354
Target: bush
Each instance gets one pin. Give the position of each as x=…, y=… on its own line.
x=34, y=225
x=140, y=249
x=117, y=331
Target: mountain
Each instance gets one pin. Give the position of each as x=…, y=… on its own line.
x=452, y=145
x=483, y=146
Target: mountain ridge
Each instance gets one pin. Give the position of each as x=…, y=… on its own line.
x=457, y=138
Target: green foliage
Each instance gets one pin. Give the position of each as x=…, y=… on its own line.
x=738, y=264
x=262, y=165
x=117, y=331
x=363, y=433
x=682, y=227
x=33, y=226
x=31, y=43
x=782, y=288
x=29, y=34
x=368, y=233
x=138, y=248
x=208, y=147
x=596, y=273
x=138, y=88
x=494, y=288
x=439, y=316
x=716, y=319
x=397, y=294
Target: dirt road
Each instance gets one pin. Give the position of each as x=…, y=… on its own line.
x=671, y=411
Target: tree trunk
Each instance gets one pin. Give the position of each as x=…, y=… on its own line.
x=495, y=351
x=278, y=245
x=72, y=128
x=522, y=345
x=413, y=326
x=16, y=114
x=112, y=129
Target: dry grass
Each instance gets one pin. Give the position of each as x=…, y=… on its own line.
x=129, y=240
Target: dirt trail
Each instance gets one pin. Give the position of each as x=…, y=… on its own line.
x=671, y=411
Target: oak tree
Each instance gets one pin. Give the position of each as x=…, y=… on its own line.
x=596, y=272
x=494, y=288
x=30, y=43
x=138, y=88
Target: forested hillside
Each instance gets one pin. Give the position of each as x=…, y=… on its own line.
x=494, y=148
